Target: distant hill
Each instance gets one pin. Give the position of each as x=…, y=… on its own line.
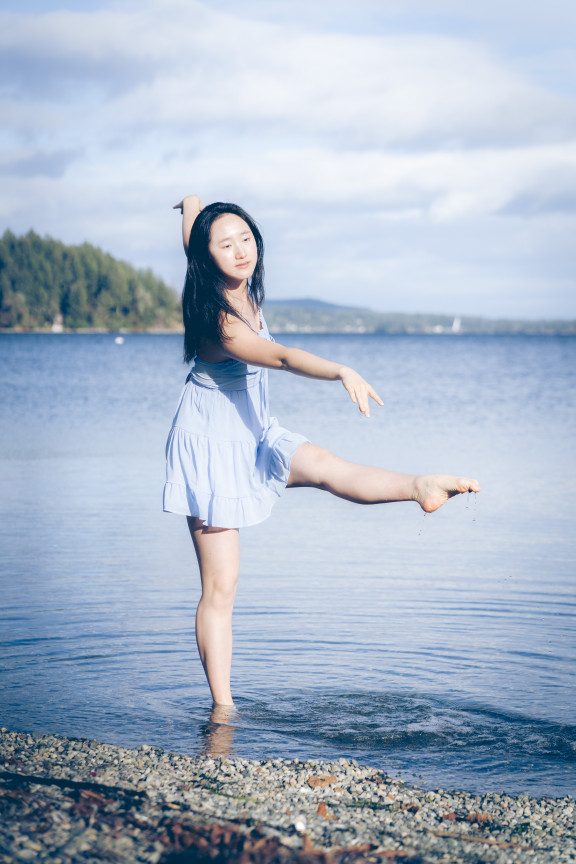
x=311, y=302
x=315, y=316
x=47, y=285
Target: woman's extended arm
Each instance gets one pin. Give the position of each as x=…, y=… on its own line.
x=190, y=206
x=242, y=343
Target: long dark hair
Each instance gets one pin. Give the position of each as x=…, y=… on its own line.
x=204, y=304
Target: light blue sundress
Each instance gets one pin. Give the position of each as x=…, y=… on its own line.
x=227, y=460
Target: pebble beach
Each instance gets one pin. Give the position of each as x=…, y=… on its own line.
x=64, y=800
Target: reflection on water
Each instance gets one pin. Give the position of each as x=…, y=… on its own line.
x=442, y=645
x=217, y=735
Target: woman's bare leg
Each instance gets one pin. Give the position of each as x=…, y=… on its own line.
x=314, y=466
x=218, y=555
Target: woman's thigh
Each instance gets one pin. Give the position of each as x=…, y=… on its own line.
x=218, y=553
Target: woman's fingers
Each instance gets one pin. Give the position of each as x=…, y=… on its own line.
x=361, y=396
x=360, y=391
x=364, y=404
x=375, y=396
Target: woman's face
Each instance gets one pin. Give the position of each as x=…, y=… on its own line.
x=233, y=247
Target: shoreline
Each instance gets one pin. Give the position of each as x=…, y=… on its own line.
x=67, y=799
x=566, y=332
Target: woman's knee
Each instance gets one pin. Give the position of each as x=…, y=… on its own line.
x=313, y=466
x=219, y=589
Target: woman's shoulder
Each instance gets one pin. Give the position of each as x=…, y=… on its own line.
x=234, y=323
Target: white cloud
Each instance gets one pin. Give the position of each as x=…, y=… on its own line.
x=122, y=109
x=181, y=65
x=516, y=23
x=441, y=185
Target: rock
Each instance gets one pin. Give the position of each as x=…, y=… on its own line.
x=320, y=782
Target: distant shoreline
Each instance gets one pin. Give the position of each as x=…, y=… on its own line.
x=314, y=317
x=568, y=331
x=49, y=287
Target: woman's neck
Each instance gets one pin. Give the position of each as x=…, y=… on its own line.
x=245, y=307
x=238, y=296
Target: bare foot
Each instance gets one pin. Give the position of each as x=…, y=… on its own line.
x=431, y=491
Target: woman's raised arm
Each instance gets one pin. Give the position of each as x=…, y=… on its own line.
x=190, y=206
x=242, y=343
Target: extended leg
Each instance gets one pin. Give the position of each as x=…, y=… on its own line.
x=315, y=466
x=219, y=559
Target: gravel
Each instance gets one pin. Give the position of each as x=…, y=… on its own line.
x=65, y=799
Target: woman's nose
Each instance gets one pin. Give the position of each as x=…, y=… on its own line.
x=241, y=250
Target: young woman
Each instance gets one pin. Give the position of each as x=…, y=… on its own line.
x=227, y=459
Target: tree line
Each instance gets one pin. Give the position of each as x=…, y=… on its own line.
x=44, y=282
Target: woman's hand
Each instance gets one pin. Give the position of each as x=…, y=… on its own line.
x=191, y=202
x=359, y=390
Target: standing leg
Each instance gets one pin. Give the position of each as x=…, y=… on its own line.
x=218, y=555
x=315, y=466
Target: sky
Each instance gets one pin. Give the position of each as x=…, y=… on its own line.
x=403, y=155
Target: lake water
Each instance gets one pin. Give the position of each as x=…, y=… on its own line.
x=439, y=648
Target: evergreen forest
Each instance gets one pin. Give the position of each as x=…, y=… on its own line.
x=45, y=284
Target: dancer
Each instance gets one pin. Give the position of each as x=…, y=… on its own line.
x=227, y=460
